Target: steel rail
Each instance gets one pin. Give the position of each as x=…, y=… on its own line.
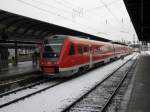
x=46, y=88
x=80, y=98
x=23, y=88
x=31, y=94
x=17, y=81
x=117, y=88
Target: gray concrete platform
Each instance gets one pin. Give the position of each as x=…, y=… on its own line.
x=140, y=95
x=21, y=69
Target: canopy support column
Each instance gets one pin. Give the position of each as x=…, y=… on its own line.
x=16, y=53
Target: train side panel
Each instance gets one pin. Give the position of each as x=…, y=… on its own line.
x=78, y=55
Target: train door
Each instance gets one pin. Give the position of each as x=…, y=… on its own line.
x=72, y=55
x=114, y=51
x=90, y=51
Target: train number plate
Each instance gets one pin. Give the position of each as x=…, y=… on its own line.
x=49, y=69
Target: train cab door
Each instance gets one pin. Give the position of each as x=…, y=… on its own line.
x=90, y=51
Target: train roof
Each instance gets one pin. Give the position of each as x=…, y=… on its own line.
x=86, y=40
x=119, y=43
x=60, y=38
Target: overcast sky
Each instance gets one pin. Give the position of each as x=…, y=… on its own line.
x=105, y=18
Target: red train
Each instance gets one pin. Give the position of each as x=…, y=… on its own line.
x=64, y=56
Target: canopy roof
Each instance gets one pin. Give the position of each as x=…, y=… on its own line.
x=15, y=27
x=140, y=18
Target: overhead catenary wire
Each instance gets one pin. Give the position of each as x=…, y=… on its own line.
x=53, y=13
x=106, y=6
x=67, y=4
x=60, y=15
x=76, y=10
x=51, y=6
x=100, y=7
x=74, y=14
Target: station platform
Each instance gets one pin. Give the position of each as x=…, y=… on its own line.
x=21, y=69
x=140, y=95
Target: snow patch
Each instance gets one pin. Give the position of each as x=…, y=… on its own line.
x=57, y=98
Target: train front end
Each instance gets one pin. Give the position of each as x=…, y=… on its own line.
x=50, y=55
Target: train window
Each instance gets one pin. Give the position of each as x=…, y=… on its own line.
x=90, y=49
x=96, y=49
x=85, y=49
x=53, y=48
x=71, y=51
x=109, y=48
x=52, y=51
x=80, y=50
x=45, y=41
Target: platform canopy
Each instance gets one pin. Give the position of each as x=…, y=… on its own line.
x=139, y=13
x=19, y=28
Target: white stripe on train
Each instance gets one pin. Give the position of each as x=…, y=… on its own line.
x=78, y=66
x=93, y=62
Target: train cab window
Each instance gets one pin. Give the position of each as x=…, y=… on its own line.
x=80, y=50
x=71, y=51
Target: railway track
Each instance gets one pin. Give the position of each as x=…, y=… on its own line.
x=99, y=97
x=23, y=87
x=11, y=97
x=21, y=93
x=15, y=96
x=9, y=85
x=29, y=90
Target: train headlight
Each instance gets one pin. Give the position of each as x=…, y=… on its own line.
x=49, y=63
x=42, y=63
x=54, y=62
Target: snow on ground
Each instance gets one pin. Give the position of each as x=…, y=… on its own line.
x=57, y=98
x=148, y=52
x=22, y=93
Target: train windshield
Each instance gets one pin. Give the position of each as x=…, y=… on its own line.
x=52, y=51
